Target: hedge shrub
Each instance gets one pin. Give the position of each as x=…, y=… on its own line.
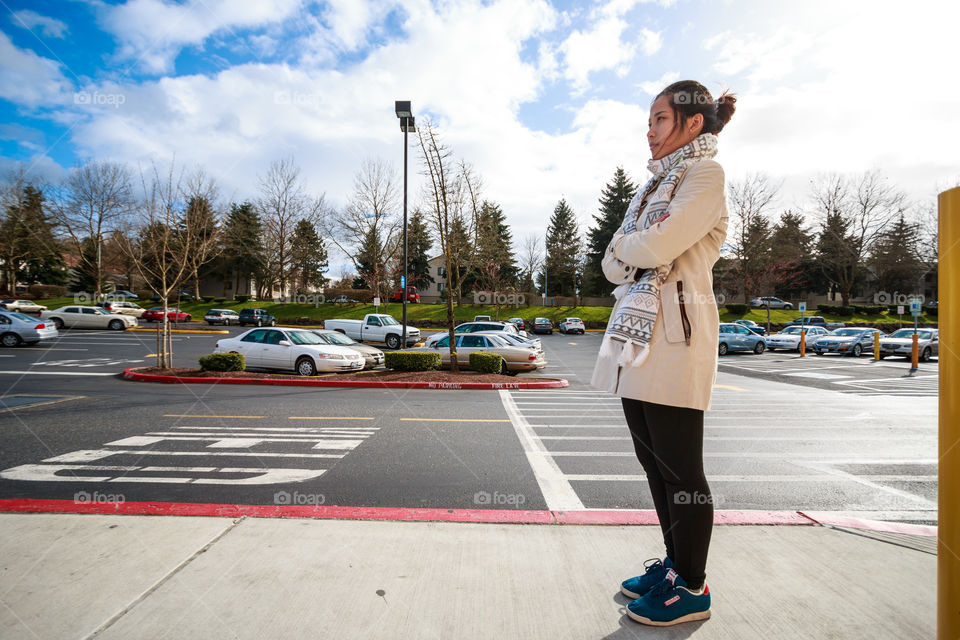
x=207, y=299
x=241, y=298
x=219, y=300
x=931, y=311
x=844, y=312
x=737, y=308
x=222, y=362
x=868, y=309
x=486, y=362
x=412, y=360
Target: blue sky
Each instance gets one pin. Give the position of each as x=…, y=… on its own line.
x=545, y=99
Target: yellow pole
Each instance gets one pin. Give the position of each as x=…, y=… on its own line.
x=876, y=347
x=948, y=499
x=803, y=343
x=914, y=353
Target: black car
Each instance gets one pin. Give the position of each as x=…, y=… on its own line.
x=258, y=317
x=542, y=325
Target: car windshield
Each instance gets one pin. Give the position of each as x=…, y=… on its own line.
x=21, y=316
x=542, y=320
x=337, y=338
x=99, y=311
x=304, y=337
x=908, y=333
x=847, y=332
x=792, y=330
x=388, y=320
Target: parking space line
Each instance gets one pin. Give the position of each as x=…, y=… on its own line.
x=328, y=418
x=186, y=415
x=820, y=477
x=97, y=454
x=452, y=420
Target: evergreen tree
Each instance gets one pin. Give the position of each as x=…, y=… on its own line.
x=836, y=258
x=83, y=277
x=369, y=267
x=418, y=251
x=243, y=256
x=791, y=254
x=562, y=276
x=614, y=200
x=461, y=256
x=28, y=250
x=495, y=263
x=199, y=222
x=895, y=258
x=308, y=257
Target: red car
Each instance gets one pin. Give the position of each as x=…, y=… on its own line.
x=155, y=314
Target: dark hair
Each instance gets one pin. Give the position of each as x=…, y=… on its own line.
x=688, y=98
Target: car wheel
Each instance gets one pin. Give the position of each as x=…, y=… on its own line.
x=857, y=350
x=393, y=341
x=210, y=322
x=10, y=340
x=925, y=356
x=273, y=323
x=115, y=325
x=819, y=353
x=504, y=371
x=259, y=323
x=306, y=367
x=723, y=348
x=58, y=323
x=788, y=307
x=759, y=348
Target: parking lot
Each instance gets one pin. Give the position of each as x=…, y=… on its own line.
x=824, y=433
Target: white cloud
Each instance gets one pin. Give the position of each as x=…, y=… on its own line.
x=656, y=86
x=651, y=41
x=152, y=32
x=50, y=27
x=28, y=79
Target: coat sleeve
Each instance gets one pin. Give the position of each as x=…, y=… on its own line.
x=695, y=210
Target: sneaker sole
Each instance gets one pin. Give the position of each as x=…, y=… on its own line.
x=690, y=617
x=628, y=593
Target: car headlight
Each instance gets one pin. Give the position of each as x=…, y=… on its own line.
x=331, y=356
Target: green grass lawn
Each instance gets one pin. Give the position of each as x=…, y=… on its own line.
x=436, y=314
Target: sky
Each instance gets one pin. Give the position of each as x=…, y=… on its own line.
x=545, y=99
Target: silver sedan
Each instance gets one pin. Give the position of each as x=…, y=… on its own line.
x=17, y=328
x=900, y=343
x=372, y=356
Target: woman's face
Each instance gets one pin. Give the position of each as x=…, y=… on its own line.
x=663, y=135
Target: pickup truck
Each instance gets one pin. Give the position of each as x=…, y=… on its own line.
x=375, y=327
x=816, y=321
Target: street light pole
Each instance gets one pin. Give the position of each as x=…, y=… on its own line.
x=407, y=125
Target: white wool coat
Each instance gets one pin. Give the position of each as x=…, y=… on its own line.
x=681, y=367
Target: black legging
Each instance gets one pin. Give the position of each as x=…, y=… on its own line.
x=669, y=445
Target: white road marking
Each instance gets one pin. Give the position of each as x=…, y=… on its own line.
x=58, y=373
x=589, y=477
x=816, y=456
x=557, y=492
x=240, y=442
x=88, y=455
x=48, y=473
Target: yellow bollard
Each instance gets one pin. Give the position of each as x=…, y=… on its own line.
x=948, y=498
x=876, y=347
x=803, y=342
x=915, y=353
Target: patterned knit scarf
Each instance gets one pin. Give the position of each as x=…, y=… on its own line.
x=632, y=324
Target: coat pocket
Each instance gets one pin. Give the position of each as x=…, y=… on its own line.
x=680, y=312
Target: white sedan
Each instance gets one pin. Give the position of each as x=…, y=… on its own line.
x=297, y=350
x=789, y=338
x=82, y=317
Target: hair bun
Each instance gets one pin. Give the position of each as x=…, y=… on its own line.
x=726, y=105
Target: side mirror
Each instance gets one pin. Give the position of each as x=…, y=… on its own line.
x=285, y=343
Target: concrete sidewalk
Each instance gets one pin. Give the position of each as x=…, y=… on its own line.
x=106, y=576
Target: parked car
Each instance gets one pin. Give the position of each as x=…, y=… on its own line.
x=492, y=325
x=122, y=307
x=375, y=327
x=343, y=299
x=373, y=357
x=517, y=339
x=773, y=303
x=753, y=326
x=23, y=306
x=481, y=318
x=222, y=316
x=572, y=325
x=900, y=343
x=298, y=350
x=735, y=337
x=412, y=295
x=258, y=317
x=515, y=358
x=848, y=341
x=815, y=321
x=18, y=328
x=519, y=322
x=83, y=317
x=121, y=294
x=542, y=325
x=789, y=338
x=155, y=314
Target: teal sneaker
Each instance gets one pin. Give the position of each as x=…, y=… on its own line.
x=671, y=602
x=654, y=573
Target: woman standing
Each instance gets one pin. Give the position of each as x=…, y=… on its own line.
x=659, y=353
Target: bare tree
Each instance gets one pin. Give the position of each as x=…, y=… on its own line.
x=749, y=237
x=531, y=259
x=161, y=242
x=367, y=229
x=855, y=212
x=201, y=196
x=283, y=202
x=91, y=203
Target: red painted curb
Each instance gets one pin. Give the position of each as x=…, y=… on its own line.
x=132, y=374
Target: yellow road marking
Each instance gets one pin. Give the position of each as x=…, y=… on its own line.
x=727, y=387
x=327, y=418
x=449, y=420
x=185, y=415
x=151, y=355
x=571, y=343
